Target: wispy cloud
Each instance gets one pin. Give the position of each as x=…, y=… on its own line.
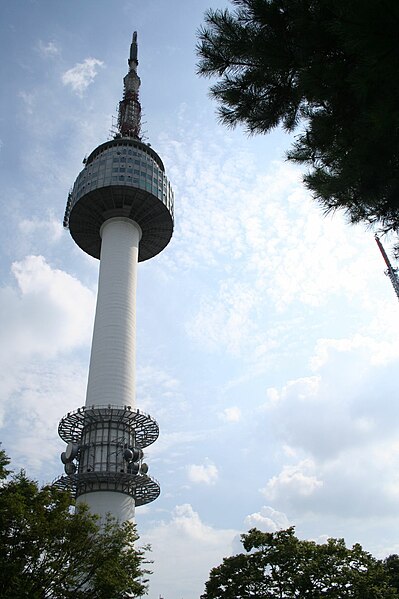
x=28, y=99
x=82, y=75
x=49, y=49
x=226, y=319
x=50, y=228
x=264, y=246
x=232, y=414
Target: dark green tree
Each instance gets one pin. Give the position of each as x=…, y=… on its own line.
x=328, y=70
x=48, y=550
x=279, y=565
x=391, y=564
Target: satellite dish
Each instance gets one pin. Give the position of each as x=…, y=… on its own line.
x=137, y=454
x=71, y=451
x=144, y=468
x=64, y=458
x=133, y=454
x=133, y=468
x=128, y=455
x=70, y=468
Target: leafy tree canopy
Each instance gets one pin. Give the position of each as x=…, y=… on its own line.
x=328, y=70
x=280, y=566
x=48, y=550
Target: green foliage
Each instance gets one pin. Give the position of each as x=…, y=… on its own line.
x=4, y=461
x=391, y=564
x=48, y=550
x=327, y=68
x=279, y=565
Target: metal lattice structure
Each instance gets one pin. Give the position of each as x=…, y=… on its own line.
x=142, y=428
x=391, y=272
x=105, y=446
x=141, y=487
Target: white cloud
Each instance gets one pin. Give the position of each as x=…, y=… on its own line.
x=203, y=473
x=47, y=314
x=50, y=312
x=358, y=485
x=381, y=350
x=304, y=388
x=184, y=549
x=232, y=414
x=337, y=431
x=299, y=479
x=267, y=520
x=347, y=404
x=82, y=75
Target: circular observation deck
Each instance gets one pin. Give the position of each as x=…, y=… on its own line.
x=122, y=177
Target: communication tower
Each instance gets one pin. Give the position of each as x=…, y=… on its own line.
x=120, y=210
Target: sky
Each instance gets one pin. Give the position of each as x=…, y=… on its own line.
x=267, y=333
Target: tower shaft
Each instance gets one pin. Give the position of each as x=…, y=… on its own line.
x=113, y=350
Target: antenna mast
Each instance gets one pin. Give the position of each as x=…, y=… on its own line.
x=391, y=272
x=129, y=114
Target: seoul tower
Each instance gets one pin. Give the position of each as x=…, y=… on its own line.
x=120, y=210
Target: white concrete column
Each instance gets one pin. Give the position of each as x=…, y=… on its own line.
x=112, y=370
x=121, y=506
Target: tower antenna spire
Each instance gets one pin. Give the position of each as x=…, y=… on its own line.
x=133, y=51
x=129, y=113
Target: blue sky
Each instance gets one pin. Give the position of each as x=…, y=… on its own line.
x=267, y=335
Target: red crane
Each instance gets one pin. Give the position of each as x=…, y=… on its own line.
x=391, y=272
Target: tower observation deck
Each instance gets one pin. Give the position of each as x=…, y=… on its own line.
x=120, y=210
